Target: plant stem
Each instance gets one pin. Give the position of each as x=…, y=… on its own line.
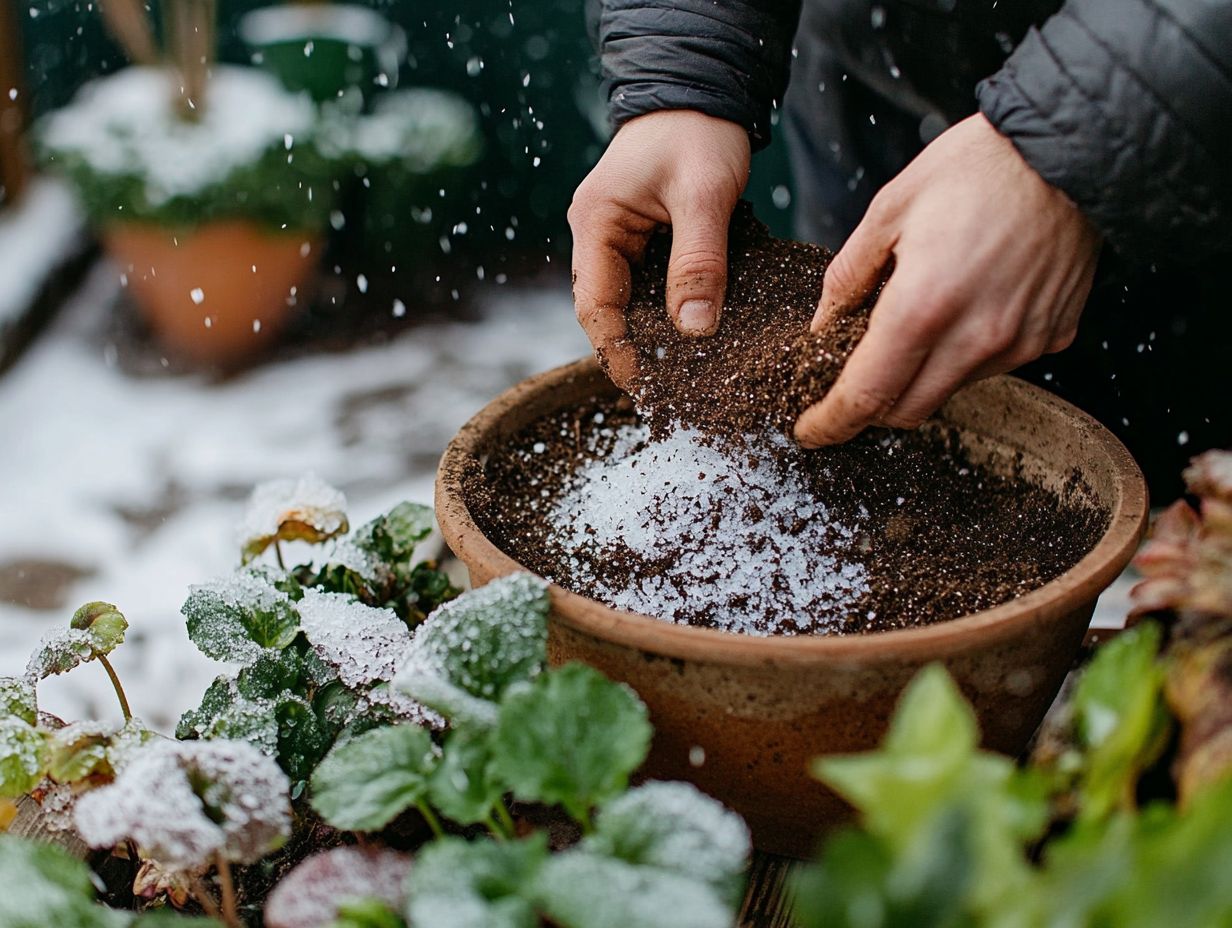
x=582, y=817
x=119, y=690
x=229, y=913
x=205, y=899
x=506, y=820
x=278, y=554
x=496, y=829
x=430, y=817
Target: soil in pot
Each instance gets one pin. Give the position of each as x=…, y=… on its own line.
x=699, y=509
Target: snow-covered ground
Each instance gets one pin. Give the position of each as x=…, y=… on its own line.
x=34, y=237
x=138, y=483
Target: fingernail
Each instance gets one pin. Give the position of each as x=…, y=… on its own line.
x=696, y=317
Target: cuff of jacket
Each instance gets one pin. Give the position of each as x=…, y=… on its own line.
x=637, y=99
x=1119, y=108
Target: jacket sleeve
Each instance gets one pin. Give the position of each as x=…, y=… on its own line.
x=728, y=59
x=1126, y=105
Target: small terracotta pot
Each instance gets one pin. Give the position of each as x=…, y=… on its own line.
x=742, y=717
x=198, y=289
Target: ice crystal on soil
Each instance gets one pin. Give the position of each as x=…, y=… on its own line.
x=307, y=508
x=738, y=535
x=311, y=894
x=473, y=648
x=184, y=802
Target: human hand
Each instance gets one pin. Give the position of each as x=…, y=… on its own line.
x=675, y=167
x=992, y=267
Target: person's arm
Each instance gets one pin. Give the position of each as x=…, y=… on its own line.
x=1126, y=105
x=1113, y=118
x=691, y=84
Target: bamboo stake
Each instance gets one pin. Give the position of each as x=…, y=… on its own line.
x=129, y=24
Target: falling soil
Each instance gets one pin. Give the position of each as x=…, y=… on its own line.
x=698, y=508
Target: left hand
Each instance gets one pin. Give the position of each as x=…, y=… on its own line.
x=992, y=269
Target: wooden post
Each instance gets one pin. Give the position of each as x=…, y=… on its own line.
x=14, y=165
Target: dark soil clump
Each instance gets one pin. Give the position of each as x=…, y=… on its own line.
x=763, y=364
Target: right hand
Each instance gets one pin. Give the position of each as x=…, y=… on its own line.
x=673, y=167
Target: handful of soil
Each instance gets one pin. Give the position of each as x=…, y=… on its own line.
x=763, y=365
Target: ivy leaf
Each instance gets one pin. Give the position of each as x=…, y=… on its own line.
x=1120, y=719
x=570, y=737
x=307, y=509
x=675, y=827
x=363, y=784
x=237, y=617
x=471, y=650
x=95, y=630
x=462, y=786
x=23, y=757
x=45, y=886
x=480, y=884
x=582, y=890
x=18, y=699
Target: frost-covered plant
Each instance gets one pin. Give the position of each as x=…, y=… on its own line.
x=338, y=886
x=317, y=643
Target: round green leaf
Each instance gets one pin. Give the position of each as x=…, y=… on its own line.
x=23, y=757
x=364, y=783
x=18, y=698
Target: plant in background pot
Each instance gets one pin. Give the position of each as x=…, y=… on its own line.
x=204, y=182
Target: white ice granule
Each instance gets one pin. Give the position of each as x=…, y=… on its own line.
x=362, y=642
x=734, y=536
x=184, y=802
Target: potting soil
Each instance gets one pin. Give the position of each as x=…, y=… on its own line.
x=700, y=509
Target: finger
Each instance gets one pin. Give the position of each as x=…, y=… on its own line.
x=882, y=366
x=945, y=371
x=857, y=269
x=697, y=269
x=601, y=288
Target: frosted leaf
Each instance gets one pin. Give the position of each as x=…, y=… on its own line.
x=311, y=894
x=362, y=643
x=124, y=743
x=365, y=782
x=674, y=826
x=96, y=629
x=236, y=618
x=56, y=805
x=18, y=698
x=226, y=713
x=307, y=509
x=183, y=802
x=582, y=890
x=480, y=884
x=402, y=707
x=23, y=757
x=79, y=750
x=424, y=130
x=46, y=888
x=473, y=648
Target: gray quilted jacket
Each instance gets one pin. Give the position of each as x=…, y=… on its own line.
x=1126, y=105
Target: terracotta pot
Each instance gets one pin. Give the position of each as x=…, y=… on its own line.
x=198, y=289
x=742, y=717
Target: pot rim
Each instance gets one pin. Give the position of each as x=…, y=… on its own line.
x=1036, y=610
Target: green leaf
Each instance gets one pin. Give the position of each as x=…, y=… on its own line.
x=225, y=714
x=372, y=913
x=166, y=918
x=676, y=827
x=273, y=673
x=394, y=536
x=1120, y=719
x=582, y=890
x=80, y=750
x=570, y=737
x=23, y=757
x=18, y=699
x=462, y=786
x=236, y=618
x=105, y=623
x=481, y=884
x=471, y=650
x=302, y=740
x=44, y=886
x=427, y=589
x=363, y=784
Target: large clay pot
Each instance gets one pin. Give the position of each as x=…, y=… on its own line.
x=216, y=293
x=742, y=717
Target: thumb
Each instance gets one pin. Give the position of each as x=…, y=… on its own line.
x=697, y=270
x=856, y=271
